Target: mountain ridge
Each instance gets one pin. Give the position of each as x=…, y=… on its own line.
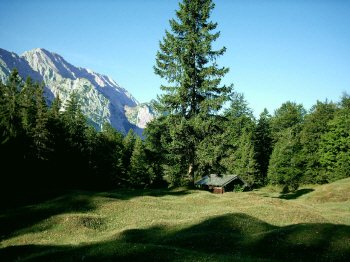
x=102, y=99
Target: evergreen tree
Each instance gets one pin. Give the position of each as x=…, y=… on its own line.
x=345, y=100
x=285, y=163
x=186, y=60
x=27, y=114
x=57, y=138
x=263, y=144
x=90, y=153
x=106, y=156
x=155, y=133
x=138, y=172
x=212, y=149
x=28, y=106
x=237, y=140
x=310, y=137
x=55, y=108
x=75, y=121
x=75, y=157
x=334, y=149
x=239, y=116
x=2, y=110
x=242, y=161
x=128, y=148
x=40, y=131
x=12, y=137
x=287, y=116
x=161, y=147
x=11, y=107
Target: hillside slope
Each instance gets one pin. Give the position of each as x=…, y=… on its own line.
x=175, y=225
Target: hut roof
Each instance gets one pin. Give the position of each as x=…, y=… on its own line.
x=219, y=180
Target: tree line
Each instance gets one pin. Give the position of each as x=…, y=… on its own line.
x=52, y=146
x=288, y=148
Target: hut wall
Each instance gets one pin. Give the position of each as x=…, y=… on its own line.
x=217, y=190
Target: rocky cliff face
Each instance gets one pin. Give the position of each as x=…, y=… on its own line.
x=141, y=114
x=102, y=99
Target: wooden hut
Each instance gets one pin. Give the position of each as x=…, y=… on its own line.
x=220, y=184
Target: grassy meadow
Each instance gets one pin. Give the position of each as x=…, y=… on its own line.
x=311, y=224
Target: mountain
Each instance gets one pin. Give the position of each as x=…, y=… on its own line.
x=142, y=113
x=102, y=99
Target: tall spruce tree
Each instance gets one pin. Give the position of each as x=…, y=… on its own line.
x=11, y=106
x=57, y=137
x=310, y=137
x=75, y=126
x=40, y=134
x=263, y=143
x=128, y=148
x=334, y=147
x=239, y=117
x=138, y=172
x=242, y=160
x=289, y=115
x=105, y=156
x=285, y=163
x=27, y=101
x=186, y=60
x=155, y=151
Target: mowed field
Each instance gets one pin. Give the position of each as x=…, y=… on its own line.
x=311, y=224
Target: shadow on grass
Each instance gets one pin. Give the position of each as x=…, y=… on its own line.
x=125, y=194
x=296, y=193
x=229, y=237
x=24, y=219
x=24, y=212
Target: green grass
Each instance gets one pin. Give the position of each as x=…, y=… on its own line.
x=311, y=224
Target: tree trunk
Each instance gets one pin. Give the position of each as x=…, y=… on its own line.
x=191, y=175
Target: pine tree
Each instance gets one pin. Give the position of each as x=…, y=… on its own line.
x=212, y=149
x=12, y=136
x=11, y=107
x=155, y=152
x=55, y=108
x=186, y=60
x=287, y=116
x=138, y=172
x=105, y=151
x=75, y=121
x=310, y=137
x=128, y=148
x=2, y=110
x=334, y=148
x=239, y=116
x=28, y=106
x=242, y=161
x=263, y=143
x=57, y=140
x=75, y=126
x=40, y=134
x=285, y=163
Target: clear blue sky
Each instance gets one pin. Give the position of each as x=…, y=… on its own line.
x=277, y=50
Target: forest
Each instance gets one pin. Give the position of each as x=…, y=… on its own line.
x=54, y=148
x=206, y=128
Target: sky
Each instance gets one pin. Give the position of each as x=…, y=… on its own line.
x=277, y=50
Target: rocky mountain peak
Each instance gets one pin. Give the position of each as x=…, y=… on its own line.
x=102, y=99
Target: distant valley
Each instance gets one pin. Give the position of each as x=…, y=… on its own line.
x=102, y=99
